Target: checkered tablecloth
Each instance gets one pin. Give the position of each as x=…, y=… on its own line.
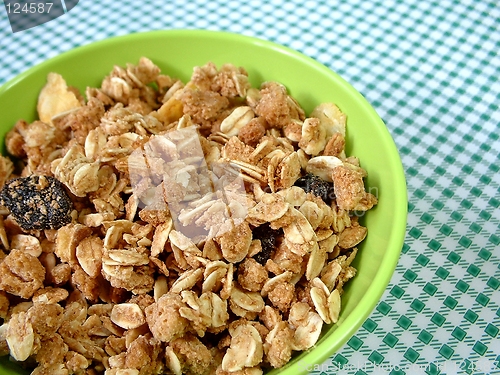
x=431, y=69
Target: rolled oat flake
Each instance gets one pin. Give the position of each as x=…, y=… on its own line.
x=37, y=202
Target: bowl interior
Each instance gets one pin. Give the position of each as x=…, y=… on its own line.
x=176, y=52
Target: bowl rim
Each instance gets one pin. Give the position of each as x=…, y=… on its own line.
x=343, y=332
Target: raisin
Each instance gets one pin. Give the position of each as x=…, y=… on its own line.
x=267, y=237
x=317, y=186
x=37, y=202
x=262, y=256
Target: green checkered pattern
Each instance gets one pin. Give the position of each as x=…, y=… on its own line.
x=431, y=69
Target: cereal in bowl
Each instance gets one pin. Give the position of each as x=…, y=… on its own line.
x=153, y=226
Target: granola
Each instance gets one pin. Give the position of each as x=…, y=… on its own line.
x=200, y=227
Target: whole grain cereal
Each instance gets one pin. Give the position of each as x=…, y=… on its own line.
x=204, y=227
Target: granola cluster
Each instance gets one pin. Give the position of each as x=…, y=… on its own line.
x=195, y=242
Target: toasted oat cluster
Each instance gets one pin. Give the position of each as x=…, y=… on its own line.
x=211, y=227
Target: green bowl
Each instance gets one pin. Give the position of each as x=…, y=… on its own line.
x=176, y=52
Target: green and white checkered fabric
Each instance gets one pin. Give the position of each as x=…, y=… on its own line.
x=431, y=69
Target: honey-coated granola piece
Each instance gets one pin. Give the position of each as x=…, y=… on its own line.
x=22, y=274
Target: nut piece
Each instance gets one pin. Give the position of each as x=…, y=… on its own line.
x=323, y=166
x=308, y=326
x=238, y=118
x=320, y=300
x=351, y=236
x=20, y=336
x=245, y=350
x=187, y=280
x=50, y=295
x=334, y=304
x=313, y=138
x=55, y=98
x=335, y=146
x=316, y=262
x=331, y=117
x=127, y=315
x=160, y=237
x=77, y=172
x=247, y=301
x=287, y=171
x=89, y=255
x=29, y=244
x=299, y=231
x=270, y=208
x=68, y=238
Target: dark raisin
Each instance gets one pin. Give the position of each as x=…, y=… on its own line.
x=317, y=186
x=37, y=202
x=262, y=256
x=268, y=239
